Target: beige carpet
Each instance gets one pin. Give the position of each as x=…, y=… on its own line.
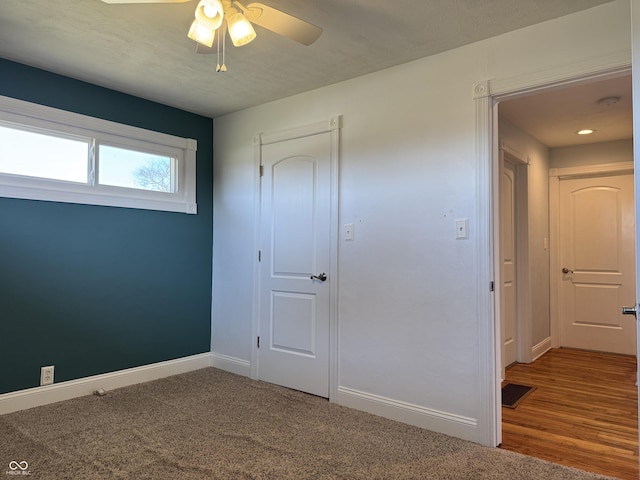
x=210, y=424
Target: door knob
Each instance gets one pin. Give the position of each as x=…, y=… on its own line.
x=322, y=277
x=630, y=311
x=566, y=270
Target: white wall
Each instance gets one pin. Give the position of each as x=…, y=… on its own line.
x=407, y=289
x=592, y=154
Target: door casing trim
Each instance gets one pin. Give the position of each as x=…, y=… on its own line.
x=486, y=95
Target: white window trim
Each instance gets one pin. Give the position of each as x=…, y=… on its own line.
x=107, y=132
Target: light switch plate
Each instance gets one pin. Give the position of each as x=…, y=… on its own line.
x=348, y=231
x=462, y=228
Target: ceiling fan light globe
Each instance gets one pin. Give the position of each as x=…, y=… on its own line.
x=209, y=14
x=240, y=29
x=201, y=34
x=210, y=11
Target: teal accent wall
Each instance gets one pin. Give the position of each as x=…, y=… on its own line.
x=94, y=289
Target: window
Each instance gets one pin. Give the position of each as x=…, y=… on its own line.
x=121, y=167
x=50, y=154
x=36, y=154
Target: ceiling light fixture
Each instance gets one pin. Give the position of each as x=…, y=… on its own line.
x=240, y=30
x=210, y=15
x=201, y=34
x=585, y=131
x=608, y=101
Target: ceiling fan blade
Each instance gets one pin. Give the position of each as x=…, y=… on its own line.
x=145, y=1
x=282, y=23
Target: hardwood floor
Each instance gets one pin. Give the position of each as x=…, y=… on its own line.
x=583, y=413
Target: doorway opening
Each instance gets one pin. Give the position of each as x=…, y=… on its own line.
x=541, y=127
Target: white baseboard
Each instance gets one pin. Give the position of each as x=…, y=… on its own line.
x=231, y=364
x=35, y=397
x=540, y=349
x=437, y=421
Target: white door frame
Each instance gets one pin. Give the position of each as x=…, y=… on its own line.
x=555, y=176
x=521, y=163
x=333, y=126
x=486, y=96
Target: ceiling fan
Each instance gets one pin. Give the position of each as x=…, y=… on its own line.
x=220, y=16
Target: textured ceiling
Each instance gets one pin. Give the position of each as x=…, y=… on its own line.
x=142, y=49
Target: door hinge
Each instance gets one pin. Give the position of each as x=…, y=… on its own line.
x=259, y=255
x=261, y=170
x=491, y=287
x=258, y=341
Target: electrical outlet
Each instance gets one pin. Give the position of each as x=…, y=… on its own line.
x=46, y=375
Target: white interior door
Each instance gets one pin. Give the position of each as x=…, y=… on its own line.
x=597, y=254
x=508, y=267
x=635, y=40
x=295, y=246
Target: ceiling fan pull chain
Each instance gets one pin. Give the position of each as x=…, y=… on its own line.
x=223, y=68
x=217, y=32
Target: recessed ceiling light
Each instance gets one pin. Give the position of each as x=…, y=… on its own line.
x=585, y=131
